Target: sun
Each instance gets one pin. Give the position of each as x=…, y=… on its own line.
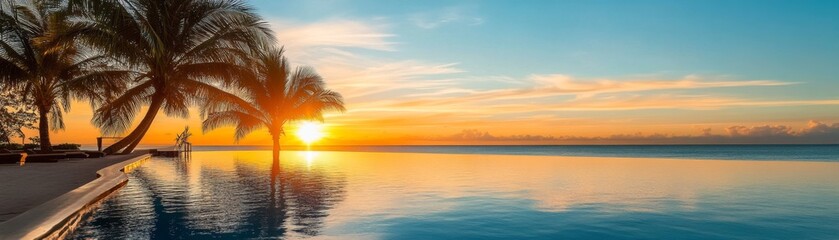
x=310, y=132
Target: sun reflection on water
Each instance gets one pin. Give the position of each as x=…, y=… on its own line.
x=309, y=156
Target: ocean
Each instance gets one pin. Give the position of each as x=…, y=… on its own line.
x=827, y=153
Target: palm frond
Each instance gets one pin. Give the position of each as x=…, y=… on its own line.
x=117, y=114
x=244, y=122
x=56, y=117
x=217, y=99
x=276, y=96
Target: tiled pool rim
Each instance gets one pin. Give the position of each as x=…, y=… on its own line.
x=55, y=218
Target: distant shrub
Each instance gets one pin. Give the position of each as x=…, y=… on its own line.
x=67, y=146
x=11, y=146
x=30, y=146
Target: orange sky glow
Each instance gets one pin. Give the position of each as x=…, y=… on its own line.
x=422, y=83
x=429, y=129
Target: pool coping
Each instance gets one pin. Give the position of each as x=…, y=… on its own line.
x=55, y=218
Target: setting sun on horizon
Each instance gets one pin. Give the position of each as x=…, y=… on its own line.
x=309, y=132
x=429, y=119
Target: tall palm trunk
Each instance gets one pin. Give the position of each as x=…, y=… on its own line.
x=276, y=139
x=134, y=138
x=277, y=210
x=44, y=128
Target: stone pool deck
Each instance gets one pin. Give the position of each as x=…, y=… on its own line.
x=35, y=190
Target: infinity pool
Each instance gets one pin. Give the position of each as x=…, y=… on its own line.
x=361, y=195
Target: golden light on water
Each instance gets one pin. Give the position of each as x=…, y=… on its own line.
x=310, y=157
x=309, y=132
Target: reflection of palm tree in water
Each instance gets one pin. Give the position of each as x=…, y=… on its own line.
x=297, y=200
x=308, y=195
x=277, y=207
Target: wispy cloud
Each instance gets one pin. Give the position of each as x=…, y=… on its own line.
x=449, y=15
x=562, y=92
x=333, y=48
x=364, y=76
x=671, y=101
x=564, y=84
x=334, y=33
x=389, y=84
x=388, y=93
x=540, y=86
x=608, y=104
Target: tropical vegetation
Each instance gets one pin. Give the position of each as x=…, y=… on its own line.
x=183, y=50
x=271, y=96
x=14, y=116
x=123, y=55
x=41, y=62
x=68, y=146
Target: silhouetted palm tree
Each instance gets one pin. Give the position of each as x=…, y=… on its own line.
x=40, y=60
x=271, y=97
x=184, y=49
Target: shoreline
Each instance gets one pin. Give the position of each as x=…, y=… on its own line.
x=816, y=153
x=51, y=219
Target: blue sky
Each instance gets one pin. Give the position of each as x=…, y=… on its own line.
x=595, y=68
x=750, y=39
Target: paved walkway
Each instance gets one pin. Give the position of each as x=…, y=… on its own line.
x=25, y=187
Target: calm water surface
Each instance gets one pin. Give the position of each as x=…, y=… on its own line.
x=798, y=152
x=358, y=195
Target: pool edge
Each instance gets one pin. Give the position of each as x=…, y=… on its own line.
x=55, y=218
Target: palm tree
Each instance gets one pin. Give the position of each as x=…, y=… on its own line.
x=185, y=51
x=40, y=61
x=182, y=139
x=272, y=96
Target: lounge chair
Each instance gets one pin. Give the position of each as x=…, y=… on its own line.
x=76, y=154
x=95, y=154
x=48, y=157
x=11, y=158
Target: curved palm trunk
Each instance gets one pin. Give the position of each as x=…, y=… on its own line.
x=136, y=141
x=44, y=128
x=131, y=141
